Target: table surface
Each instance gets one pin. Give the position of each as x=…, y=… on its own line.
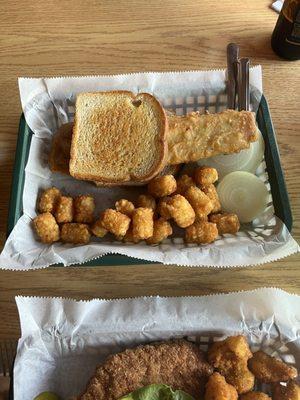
x=117, y=36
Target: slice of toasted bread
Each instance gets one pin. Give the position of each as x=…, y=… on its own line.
x=118, y=137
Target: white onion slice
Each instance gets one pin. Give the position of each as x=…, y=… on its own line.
x=246, y=160
x=244, y=194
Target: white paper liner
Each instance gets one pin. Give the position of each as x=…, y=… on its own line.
x=49, y=102
x=64, y=340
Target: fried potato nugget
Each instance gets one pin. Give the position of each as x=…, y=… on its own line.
x=46, y=228
x=129, y=237
x=205, y=176
x=201, y=203
x=218, y=389
x=97, y=229
x=48, y=200
x=146, y=201
x=269, y=369
x=161, y=230
x=255, y=396
x=84, y=207
x=201, y=232
x=162, y=208
x=230, y=357
x=162, y=186
x=64, y=210
x=115, y=222
x=142, y=223
x=75, y=233
x=180, y=210
x=125, y=207
x=183, y=183
x=226, y=223
x=289, y=392
x=212, y=193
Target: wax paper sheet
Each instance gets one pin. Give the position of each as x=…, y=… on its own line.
x=64, y=340
x=49, y=102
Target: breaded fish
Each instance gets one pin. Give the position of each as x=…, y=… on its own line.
x=179, y=364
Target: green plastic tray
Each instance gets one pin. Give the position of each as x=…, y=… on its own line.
x=272, y=158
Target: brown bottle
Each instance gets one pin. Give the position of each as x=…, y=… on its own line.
x=286, y=36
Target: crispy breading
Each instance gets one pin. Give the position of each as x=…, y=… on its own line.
x=142, y=223
x=84, y=207
x=218, y=389
x=64, y=210
x=205, y=176
x=269, y=369
x=179, y=364
x=46, y=228
x=129, y=237
x=200, y=202
x=162, y=186
x=161, y=230
x=48, y=200
x=255, y=396
x=194, y=136
x=201, y=232
x=180, y=210
x=115, y=222
x=125, y=207
x=75, y=233
x=230, y=357
x=97, y=228
x=212, y=193
x=226, y=223
x=289, y=392
x=162, y=208
x=146, y=201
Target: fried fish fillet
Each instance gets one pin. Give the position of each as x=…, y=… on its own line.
x=196, y=136
x=179, y=364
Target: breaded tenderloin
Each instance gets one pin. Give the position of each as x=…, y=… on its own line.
x=179, y=364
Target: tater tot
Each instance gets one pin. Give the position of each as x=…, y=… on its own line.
x=146, y=201
x=162, y=186
x=97, y=229
x=142, y=223
x=201, y=232
x=162, y=208
x=200, y=202
x=125, y=207
x=161, y=230
x=183, y=183
x=46, y=227
x=205, y=176
x=181, y=210
x=84, y=207
x=212, y=193
x=48, y=200
x=226, y=223
x=129, y=237
x=75, y=233
x=115, y=222
x=64, y=210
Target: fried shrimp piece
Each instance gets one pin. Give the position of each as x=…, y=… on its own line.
x=269, y=369
x=48, y=200
x=218, y=389
x=75, y=233
x=226, y=223
x=183, y=183
x=146, y=201
x=230, y=357
x=162, y=186
x=205, y=176
x=115, y=222
x=162, y=208
x=125, y=207
x=142, y=223
x=64, y=210
x=46, y=228
x=180, y=210
x=161, y=230
x=289, y=392
x=201, y=232
x=97, y=228
x=255, y=396
x=212, y=193
x=200, y=202
x=84, y=207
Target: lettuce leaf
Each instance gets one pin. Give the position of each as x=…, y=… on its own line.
x=157, y=392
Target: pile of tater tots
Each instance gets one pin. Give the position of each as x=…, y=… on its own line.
x=191, y=203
